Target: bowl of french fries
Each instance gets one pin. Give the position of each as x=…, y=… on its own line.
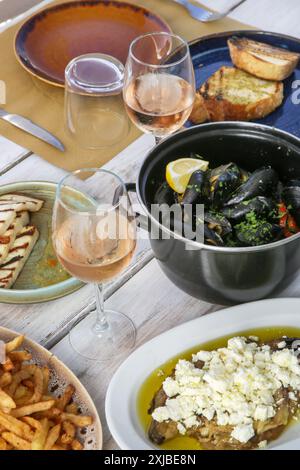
x=43, y=406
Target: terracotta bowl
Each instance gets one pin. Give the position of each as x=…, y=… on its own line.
x=47, y=42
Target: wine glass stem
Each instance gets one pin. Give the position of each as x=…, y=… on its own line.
x=101, y=324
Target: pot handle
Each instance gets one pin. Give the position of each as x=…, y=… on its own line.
x=142, y=220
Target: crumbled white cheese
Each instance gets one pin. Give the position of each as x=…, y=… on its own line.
x=243, y=433
x=262, y=444
x=281, y=345
x=292, y=396
x=181, y=429
x=236, y=386
x=254, y=338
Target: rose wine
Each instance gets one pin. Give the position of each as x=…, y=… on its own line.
x=159, y=103
x=88, y=251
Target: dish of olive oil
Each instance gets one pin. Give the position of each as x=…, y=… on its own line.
x=155, y=380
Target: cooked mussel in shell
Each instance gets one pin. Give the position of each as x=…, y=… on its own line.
x=221, y=183
x=291, y=198
x=218, y=223
x=262, y=182
x=241, y=208
x=257, y=233
x=194, y=193
x=260, y=205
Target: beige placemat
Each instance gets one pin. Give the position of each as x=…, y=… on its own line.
x=43, y=103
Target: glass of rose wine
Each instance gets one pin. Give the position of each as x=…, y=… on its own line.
x=94, y=236
x=159, y=83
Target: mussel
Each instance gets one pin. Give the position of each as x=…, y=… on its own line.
x=211, y=237
x=222, y=181
x=291, y=198
x=218, y=223
x=164, y=195
x=260, y=205
x=258, y=232
x=194, y=193
x=262, y=182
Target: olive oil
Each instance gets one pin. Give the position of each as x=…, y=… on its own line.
x=155, y=380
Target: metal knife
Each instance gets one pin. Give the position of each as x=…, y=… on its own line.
x=33, y=129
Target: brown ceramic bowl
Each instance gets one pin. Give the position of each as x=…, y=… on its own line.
x=49, y=40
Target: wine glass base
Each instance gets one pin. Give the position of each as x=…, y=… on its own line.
x=117, y=340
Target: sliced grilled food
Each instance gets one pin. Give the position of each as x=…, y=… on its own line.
x=7, y=216
x=262, y=60
x=19, y=202
x=231, y=94
x=18, y=255
x=8, y=238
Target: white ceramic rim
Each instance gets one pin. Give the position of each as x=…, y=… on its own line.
x=121, y=398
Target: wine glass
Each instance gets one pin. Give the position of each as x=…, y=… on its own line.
x=94, y=236
x=159, y=83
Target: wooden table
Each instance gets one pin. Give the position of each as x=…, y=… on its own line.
x=132, y=293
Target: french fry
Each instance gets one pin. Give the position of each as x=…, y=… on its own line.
x=46, y=378
x=72, y=408
x=14, y=344
x=31, y=418
x=40, y=436
x=23, y=374
x=28, y=410
x=34, y=423
x=5, y=379
x=76, y=445
x=16, y=426
x=52, y=436
x=8, y=365
x=20, y=356
x=16, y=441
x=6, y=401
x=3, y=444
x=69, y=432
x=38, y=386
x=28, y=383
x=20, y=392
x=79, y=420
x=66, y=397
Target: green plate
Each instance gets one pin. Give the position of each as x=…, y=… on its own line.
x=42, y=277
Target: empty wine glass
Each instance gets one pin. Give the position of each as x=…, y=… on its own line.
x=94, y=236
x=159, y=85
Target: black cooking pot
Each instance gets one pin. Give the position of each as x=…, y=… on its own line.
x=217, y=274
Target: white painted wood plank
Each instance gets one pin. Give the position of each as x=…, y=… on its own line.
x=48, y=322
x=10, y=154
x=271, y=15
x=152, y=315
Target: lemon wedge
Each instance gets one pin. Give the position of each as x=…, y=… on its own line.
x=179, y=172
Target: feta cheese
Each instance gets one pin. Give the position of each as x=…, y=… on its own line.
x=243, y=433
x=262, y=444
x=236, y=387
x=181, y=429
x=281, y=345
x=171, y=387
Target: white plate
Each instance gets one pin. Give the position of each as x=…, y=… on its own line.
x=121, y=398
x=60, y=377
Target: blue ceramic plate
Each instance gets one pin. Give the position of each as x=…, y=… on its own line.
x=209, y=53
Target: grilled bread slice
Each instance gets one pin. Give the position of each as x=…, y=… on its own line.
x=7, y=216
x=19, y=202
x=18, y=255
x=231, y=94
x=8, y=238
x=262, y=60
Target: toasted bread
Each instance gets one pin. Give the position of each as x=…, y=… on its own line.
x=231, y=94
x=262, y=60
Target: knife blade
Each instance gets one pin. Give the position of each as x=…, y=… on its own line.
x=33, y=129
